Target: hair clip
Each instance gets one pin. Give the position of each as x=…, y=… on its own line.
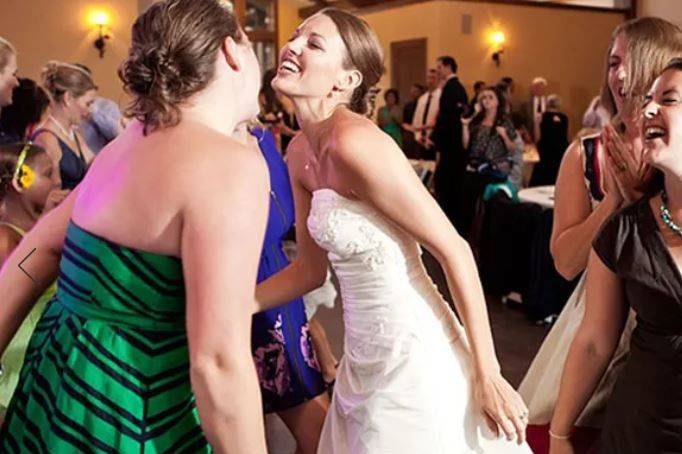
x=23, y=173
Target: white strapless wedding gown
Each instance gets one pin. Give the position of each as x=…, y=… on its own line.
x=403, y=385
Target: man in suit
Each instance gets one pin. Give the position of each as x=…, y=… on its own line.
x=447, y=136
x=531, y=111
x=425, y=115
x=410, y=145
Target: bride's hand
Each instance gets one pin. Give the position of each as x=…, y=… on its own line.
x=502, y=406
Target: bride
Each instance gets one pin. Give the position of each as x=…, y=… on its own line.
x=411, y=380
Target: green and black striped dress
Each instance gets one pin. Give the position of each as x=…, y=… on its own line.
x=107, y=368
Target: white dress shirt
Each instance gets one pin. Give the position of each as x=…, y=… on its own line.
x=431, y=114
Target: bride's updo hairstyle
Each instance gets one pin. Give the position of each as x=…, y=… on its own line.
x=172, y=56
x=363, y=52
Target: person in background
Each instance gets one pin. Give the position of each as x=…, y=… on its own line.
x=8, y=77
x=506, y=85
x=531, y=111
x=25, y=186
x=509, y=82
x=277, y=113
x=29, y=108
x=72, y=93
x=595, y=115
x=478, y=86
x=390, y=116
x=552, y=134
x=495, y=152
x=271, y=108
x=451, y=158
x=425, y=116
x=410, y=146
x=103, y=123
x=408, y=110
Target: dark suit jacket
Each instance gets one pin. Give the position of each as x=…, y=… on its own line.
x=447, y=135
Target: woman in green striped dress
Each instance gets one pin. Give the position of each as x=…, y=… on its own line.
x=146, y=346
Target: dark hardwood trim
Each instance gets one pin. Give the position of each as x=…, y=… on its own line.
x=262, y=35
x=240, y=10
x=348, y=4
x=259, y=35
x=634, y=10
x=276, y=29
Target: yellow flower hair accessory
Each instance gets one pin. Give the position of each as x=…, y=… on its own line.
x=28, y=176
x=23, y=174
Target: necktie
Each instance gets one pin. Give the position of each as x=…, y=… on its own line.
x=540, y=104
x=426, y=114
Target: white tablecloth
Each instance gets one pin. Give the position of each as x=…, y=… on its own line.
x=542, y=195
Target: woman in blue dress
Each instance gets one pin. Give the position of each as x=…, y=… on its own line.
x=290, y=380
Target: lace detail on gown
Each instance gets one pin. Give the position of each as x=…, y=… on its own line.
x=403, y=382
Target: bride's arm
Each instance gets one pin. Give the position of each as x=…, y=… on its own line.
x=309, y=270
x=377, y=171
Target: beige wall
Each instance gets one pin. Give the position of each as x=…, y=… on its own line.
x=667, y=9
x=566, y=46
x=45, y=30
x=142, y=5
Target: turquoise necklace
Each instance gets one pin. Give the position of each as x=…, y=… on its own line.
x=666, y=217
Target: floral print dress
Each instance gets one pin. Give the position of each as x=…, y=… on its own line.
x=288, y=371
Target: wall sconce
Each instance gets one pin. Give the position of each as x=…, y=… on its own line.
x=497, y=39
x=100, y=19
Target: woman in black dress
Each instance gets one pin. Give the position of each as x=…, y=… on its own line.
x=636, y=262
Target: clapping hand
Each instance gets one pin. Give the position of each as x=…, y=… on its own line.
x=629, y=170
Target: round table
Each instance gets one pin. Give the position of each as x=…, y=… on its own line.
x=542, y=195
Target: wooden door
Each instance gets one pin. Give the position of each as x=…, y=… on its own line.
x=408, y=66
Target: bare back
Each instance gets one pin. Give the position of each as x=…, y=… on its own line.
x=137, y=187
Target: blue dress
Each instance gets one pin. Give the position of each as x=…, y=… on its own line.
x=72, y=165
x=288, y=371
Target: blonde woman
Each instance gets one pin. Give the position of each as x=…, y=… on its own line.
x=635, y=265
x=586, y=196
x=72, y=92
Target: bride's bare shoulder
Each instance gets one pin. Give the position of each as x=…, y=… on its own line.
x=356, y=137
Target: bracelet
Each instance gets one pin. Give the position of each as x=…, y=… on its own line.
x=559, y=437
